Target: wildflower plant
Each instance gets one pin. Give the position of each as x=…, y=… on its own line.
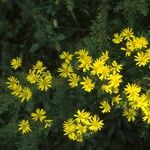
x=98, y=85
x=39, y=77
x=83, y=123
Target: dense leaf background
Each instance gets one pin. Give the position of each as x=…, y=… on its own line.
x=40, y=30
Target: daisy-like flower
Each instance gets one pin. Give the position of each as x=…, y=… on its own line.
x=25, y=94
x=12, y=82
x=116, y=99
x=82, y=116
x=140, y=102
x=128, y=50
x=142, y=59
x=65, y=70
x=104, y=105
x=88, y=85
x=104, y=72
x=48, y=123
x=115, y=79
x=17, y=91
x=96, y=124
x=45, y=83
x=146, y=116
x=73, y=80
x=66, y=57
x=127, y=33
x=16, y=63
x=107, y=88
x=148, y=54
x=81, y=53
x=140, y=42
x=24, y=126
x=104, y=56
x=116, y=67
x=85, y=62
x=32, y=76
x=117, y=38
x=39, y=67
x=96, y=66
x=69, y=128
x=130, y=114
x=81, y=129
x=38, y=115
x=132, y=91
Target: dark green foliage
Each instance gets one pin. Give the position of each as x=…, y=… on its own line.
x=41, y=29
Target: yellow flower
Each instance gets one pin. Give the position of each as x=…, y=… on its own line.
x=85, y=62
x=87, y=84
x=104, y=56
x=116, y=99
x=132, y=91
x=117, y=38
x=137, y=43
x=142, y=59
x=104, y=72
x=148, y=54
x=116, y=67
x=32, y=76
x=146, y=116
x=66, y=56
x=69, y=128
x=65, y=70
x=95, y=123
x=17, y=91
x=39, y=67
x=45, y=83
x=132, y=44
x=140, y=102
x=128, y=49
x=140, y=42
x=24, y=126
x=12, y=82
x=105, y=106
x=81, y=129
x=130, y=114
x=114, y=80
x=82, y=116
x=107, y=88
x=48, y=123
x=96, y=67
x=127, y=33
x=38, y=115
x=25, y=94
x=79, y=138
x=81, y=53
x=73, y=80
x=16, y=62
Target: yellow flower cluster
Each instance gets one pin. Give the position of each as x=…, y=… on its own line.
x=23, y=93
x=92, y=70
x=83, y=124
x=40, y=115
x=81, y=70
x=134, y=44
x=136, y=102
x=40, y=76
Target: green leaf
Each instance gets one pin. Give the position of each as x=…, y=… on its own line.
x=34, y=47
